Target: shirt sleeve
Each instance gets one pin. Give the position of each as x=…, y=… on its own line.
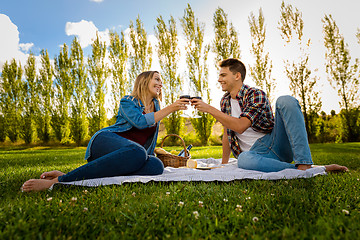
x=133, y=114
x=224, y=102
x=255, y=106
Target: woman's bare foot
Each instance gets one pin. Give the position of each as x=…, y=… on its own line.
x=303, y=166
x=334, y=168
x=35, y=185
x=51, y=175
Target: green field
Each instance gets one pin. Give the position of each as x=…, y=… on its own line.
x=324, y=207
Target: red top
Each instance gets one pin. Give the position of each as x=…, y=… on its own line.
x=138, y=135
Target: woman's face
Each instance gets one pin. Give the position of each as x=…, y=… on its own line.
x=155, y=85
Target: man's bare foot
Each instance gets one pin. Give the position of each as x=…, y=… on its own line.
x=334, y=168
x=35, y=185
x=51, y=175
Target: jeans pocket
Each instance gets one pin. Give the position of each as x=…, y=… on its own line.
x=261, y=145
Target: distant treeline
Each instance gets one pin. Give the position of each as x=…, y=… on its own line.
x=70, y=98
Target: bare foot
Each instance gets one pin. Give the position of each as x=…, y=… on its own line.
x=303, y=167
x=51, y=175
x=35, y=185
x=334, y=168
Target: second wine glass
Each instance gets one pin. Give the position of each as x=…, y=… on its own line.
x=195, y=112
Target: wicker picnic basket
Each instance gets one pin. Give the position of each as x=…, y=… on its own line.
x=173, y=160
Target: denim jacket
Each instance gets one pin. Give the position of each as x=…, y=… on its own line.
x=131, y=115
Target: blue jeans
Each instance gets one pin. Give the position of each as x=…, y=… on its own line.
x=113, y=155
x=286, y=143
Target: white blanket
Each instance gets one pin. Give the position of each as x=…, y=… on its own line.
x=223, y=173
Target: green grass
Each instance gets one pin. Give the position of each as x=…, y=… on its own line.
x=286, y=209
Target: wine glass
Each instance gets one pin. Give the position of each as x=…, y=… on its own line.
x=194, y=111
x=186, y=113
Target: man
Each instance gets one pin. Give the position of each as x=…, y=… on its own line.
x=251, y=133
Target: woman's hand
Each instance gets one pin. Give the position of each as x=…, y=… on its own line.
x=179, y=104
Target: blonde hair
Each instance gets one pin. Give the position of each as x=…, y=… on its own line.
x=141, y=86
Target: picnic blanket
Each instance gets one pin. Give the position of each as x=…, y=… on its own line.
x=219, y=172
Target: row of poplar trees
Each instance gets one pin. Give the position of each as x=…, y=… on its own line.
x=65, y=101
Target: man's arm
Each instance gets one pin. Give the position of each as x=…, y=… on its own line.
x=238, y=125
x=225, y=147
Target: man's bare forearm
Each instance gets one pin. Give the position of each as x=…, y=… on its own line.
x=238, y=125
x=226, y=148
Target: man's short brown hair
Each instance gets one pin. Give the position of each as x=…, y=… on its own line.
x=235, y=65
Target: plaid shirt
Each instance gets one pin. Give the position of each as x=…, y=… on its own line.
x=255, y=106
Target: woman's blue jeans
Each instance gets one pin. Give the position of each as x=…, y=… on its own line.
x=286, y=143
x=113, y=155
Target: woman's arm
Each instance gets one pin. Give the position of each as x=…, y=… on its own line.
x=132, y=112
x=179, y=104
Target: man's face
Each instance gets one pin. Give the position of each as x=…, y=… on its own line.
x=227, y=79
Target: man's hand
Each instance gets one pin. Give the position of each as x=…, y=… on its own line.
x=238, y=125
x=201, y=106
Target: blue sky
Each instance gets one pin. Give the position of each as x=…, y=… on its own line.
x=43, y=22
x=47, y=24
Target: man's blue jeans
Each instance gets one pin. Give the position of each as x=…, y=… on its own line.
x=113, y=155
x=286, y=143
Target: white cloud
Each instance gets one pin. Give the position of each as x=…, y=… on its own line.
x=98, y=1
x=86, y=32
x=26, y=46
x=9, y=45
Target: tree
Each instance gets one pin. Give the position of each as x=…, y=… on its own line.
x=2, y=126
x=342, y=76
x=45, y=85
x=99, y=71
x=79, y=122
x=261, y=71
x=226, y=43
x=298, y=71
x=64, y=89
x=2, y=105
x=2, y=121
x=2, y=108
x=141, y=50
x=358, y=35
x=30, y=95
x=12, y=98
x=168, y=52
x=196, y=59
x=118, y=56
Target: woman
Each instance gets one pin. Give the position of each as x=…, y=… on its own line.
x=127, y=147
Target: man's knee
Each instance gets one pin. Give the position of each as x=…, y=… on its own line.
x=247, y=160
x=286, y=101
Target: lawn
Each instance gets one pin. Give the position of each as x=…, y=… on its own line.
x=324, y=207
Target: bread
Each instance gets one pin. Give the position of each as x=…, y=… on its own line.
x=160, y=151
